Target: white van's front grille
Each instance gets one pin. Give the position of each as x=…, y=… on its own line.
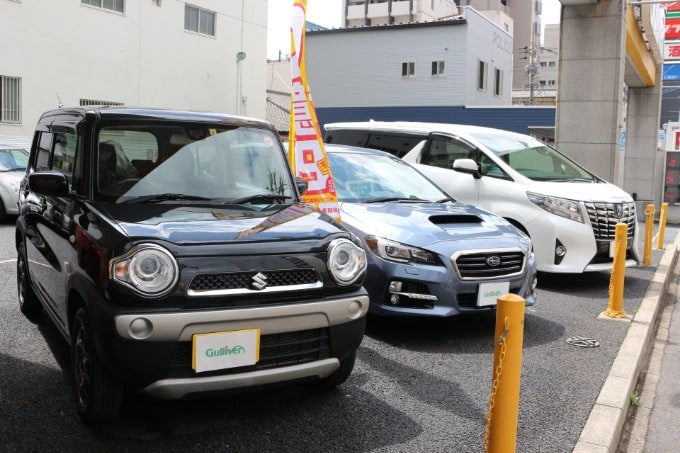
x=605, y=216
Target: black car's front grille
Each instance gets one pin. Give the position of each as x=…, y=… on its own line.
x=243, y=282
x=276, y=351
x=604, y=217
x=489, y=264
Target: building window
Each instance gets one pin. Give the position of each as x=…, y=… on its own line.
x=156, y=2
x=551, y=83
x=551, y=64
x=438, y=68
x=199, y=20
x=482, y=76
x=10, y=99
x=498, y=82
x=113, y=5
x=408, y=69
x=87, y=102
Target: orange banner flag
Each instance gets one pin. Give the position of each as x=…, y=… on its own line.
x=306, y=151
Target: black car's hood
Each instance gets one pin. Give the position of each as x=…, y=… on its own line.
x=197, y=224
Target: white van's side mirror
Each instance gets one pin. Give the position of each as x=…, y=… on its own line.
x=467, y=166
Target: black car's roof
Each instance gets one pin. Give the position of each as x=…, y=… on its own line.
x=116, y=112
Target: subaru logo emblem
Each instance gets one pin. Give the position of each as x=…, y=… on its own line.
x=493, y=261
x=259, y=281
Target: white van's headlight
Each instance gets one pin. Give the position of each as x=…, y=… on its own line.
x=401, y=253
x=346, y=261
x=562, y=207
x=148, y=269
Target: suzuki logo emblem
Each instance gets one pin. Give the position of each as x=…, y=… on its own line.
x=493, y=261
x=259, y=281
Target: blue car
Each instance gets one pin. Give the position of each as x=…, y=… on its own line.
x=428, y=255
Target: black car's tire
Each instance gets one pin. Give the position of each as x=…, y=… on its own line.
x=340, y=375
x=98, y=396
x=3, y=212
x=28, y=301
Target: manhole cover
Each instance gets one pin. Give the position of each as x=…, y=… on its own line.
x=583, y=342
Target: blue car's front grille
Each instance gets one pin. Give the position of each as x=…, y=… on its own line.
x=489, y=264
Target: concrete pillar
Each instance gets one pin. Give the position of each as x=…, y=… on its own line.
x=644, y=159
x=590, y=109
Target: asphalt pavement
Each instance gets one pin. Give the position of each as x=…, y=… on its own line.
x=638, y=408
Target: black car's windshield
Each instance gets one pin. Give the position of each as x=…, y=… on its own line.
x=13, y=159
x=375, y=178
x=534, y=159
x=163, y=163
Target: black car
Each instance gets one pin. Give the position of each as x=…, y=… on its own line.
x=173, y=253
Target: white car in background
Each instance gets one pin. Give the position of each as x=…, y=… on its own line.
x=569, y=213
x=12, y=169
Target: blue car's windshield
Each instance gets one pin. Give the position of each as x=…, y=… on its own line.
x=362, y=178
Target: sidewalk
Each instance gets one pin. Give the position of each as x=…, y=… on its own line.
x=646, y=371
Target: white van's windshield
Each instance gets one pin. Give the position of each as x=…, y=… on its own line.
x=534, y=159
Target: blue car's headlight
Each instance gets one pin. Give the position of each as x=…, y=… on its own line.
x=401, y=253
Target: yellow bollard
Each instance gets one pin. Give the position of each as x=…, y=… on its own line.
x=500, y=435
x=615, y=309
x=649, y=231
x=662, y=225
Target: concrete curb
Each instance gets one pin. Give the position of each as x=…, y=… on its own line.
x=603, y=428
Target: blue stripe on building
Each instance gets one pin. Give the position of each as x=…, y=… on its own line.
x=518, y=119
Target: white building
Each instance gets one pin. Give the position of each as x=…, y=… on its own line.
x=521, y=19
x=465, y=61
x=199, y=55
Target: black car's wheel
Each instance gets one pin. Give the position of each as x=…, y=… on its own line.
x=340, y=375
x=28, y=301
x=3, y=212
x=98, y=395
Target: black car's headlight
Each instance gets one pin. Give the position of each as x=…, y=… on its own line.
x=346, y=261
x=149, y=269
x=401, y=253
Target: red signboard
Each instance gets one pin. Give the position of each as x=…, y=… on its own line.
x=672, y=28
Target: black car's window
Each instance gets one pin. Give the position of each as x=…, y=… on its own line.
x=42, y=158
x=64, y=153
x=203, y=164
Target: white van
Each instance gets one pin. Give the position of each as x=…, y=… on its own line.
x=569, y=213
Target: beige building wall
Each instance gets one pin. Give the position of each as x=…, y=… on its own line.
x=65, y=51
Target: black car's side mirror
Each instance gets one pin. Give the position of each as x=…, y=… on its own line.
x=53, y=183
x=301, y=185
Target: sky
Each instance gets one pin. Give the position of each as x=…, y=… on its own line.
x=328, y=13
